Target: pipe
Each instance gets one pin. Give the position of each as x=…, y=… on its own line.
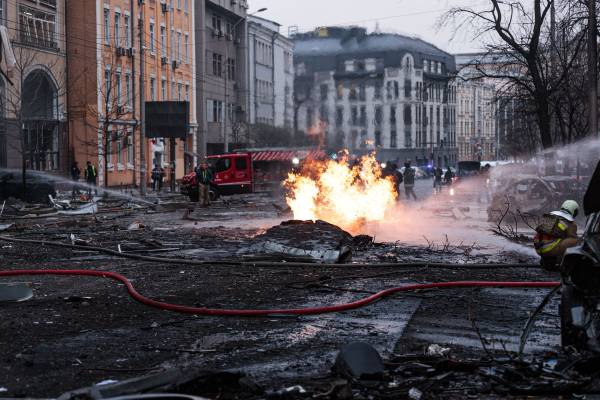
x=265, y=264
x=274, y=312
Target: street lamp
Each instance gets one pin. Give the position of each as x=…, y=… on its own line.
x=226, y=105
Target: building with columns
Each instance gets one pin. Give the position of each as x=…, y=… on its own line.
x=33, y=86
x=384, y=92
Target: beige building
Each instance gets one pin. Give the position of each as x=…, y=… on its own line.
x=475, y=121
x=105, y=65
x=33, y=85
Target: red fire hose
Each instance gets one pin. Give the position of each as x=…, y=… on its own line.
x=261, y=313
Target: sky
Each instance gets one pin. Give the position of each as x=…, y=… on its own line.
x=409, y=17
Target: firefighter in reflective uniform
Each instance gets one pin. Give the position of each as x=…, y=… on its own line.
x=556, y=232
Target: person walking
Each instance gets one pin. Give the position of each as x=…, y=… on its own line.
x=91, y=175
x=409, y=181
x=204, y=178
x=158, y=175
x=437, y=180
x=75, y=175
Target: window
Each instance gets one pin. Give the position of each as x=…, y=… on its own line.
x=363, y=116
x=109, y=149
x=378, y=87
x=117, y=29
x=107, y=86
x=127, y=23
x=187, y=48
x=392, y=115
x=185, y=6
x=339, y=116
x=119, y=149
x=179, y=4
x=362, y=92
x=393, y=139
x=153, y=89
x=163, y=41
x=378, y=138
x=129, y=145
x=187, y=92
x=173, y=93
x=216, y=112
x=106, y=26
x=378, y=116
x=340, y=91
x=324, y=92
x=128, y=89
x=172, y=43
x=354, y=115
x=231, y=69
x=118, y=92
x=324, y=112
x=407, y=88
x=222, y=164
x=179, y=46
x=179, y=91
x=38, y=28
x=217, y=64
x=216, y=22
x=241, y=164
x=163, y=89
x=152, y=49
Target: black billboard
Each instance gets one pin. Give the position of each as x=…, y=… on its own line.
x=167, y=119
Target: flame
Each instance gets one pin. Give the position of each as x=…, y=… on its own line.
x=344, y=195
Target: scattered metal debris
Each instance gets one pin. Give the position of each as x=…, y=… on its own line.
x=15, y=292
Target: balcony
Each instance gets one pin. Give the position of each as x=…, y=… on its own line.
x=40, y=42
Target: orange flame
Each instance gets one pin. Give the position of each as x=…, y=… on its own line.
x=344, y=195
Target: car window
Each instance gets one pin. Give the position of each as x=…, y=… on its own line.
x=222, y=164
x=241, y=164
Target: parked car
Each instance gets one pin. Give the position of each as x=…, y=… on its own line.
x=580, y=269
x=39, y=187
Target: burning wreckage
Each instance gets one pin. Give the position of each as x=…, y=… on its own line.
x=302, y=298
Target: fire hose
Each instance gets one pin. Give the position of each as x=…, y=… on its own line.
x=273, y=312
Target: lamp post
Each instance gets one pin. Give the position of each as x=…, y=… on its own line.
x=225, y=111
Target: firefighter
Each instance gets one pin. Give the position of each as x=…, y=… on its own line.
x=556, y=232
x=91, y=175
x=204, y=178
x=409, y=181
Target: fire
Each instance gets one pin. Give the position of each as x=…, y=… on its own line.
x=344, y=195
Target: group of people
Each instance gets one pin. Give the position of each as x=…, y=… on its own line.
x=441, y=178
x=407, y=178
x=90, y=174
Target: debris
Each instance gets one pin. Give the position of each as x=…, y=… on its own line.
x=90, y=208
x=317, y=241
x=4, y=227
x=3, y=390
x=360, y=361
x=135, y=226
x=106, y=382
x=15, y=292
x=437, y=350
x=77, y=299
x=415, y=394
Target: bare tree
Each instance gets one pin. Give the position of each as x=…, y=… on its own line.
x=114, y=106
x=519, y=37
x=33, y=96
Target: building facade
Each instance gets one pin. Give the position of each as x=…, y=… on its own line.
x=107, y=89
x=383, y=92
x=33, y=86
x=476, y=121
x=221, y=75
x=271, y=71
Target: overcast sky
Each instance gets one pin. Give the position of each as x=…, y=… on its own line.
x=409, y=17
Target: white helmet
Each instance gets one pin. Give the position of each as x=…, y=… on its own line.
x=571, y=207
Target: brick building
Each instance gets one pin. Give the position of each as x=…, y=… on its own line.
x=104, y=67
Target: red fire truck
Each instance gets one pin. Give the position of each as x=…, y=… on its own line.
x=250, y=171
